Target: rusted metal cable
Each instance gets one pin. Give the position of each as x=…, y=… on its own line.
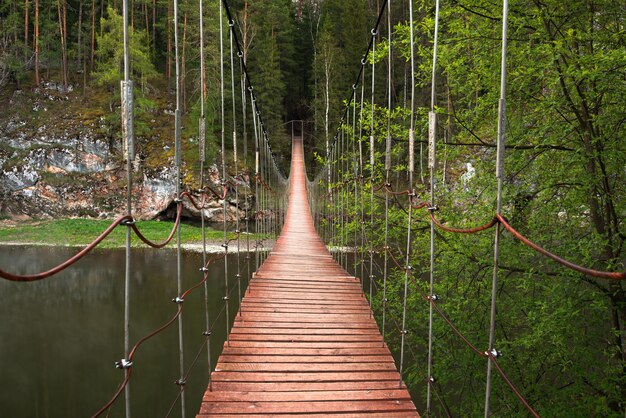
x=70, y=261
x=568, y=264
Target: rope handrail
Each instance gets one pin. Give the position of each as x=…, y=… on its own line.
x=499, y=219
x=122, y=220
x=43, y=275
x=162, y=244
x=562, y=261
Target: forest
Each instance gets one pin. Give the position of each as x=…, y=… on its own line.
x=561, y=332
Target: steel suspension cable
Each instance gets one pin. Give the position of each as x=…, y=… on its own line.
x=356, y=177
x=412, y=193
x=432, y=165
x=222, y=117
x=231, y=25
x=372, y=164
x=500, y=179
x=202, y=157
x=178, y=152
x=256, y=174
x=361, y=177
x=127, y=132
x=244, y=107
x=387, y=168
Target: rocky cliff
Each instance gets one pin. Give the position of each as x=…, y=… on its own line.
x=57, y=162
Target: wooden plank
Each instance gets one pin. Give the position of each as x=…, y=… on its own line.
x=310, y=386
x=310, y=359
x=404, y=414
x=308, y=396
x=399, y=405
x=304, y=367
x=225, y=376
x=304, y=342
x=312, y=352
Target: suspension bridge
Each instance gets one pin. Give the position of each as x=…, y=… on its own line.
x=305, y=340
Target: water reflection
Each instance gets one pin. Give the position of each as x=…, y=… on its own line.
x=60, y=337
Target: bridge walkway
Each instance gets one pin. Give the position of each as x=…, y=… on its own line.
x=304, y=342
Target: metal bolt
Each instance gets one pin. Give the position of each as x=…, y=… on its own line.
x=123, y=364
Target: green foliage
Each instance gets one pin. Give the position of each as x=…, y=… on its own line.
x=560, y=331
x=110, y=53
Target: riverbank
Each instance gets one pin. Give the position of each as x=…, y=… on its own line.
x=79, y=232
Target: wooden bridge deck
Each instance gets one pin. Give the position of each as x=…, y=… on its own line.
x=305, y=343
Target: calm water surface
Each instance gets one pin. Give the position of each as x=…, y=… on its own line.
x=60, y=337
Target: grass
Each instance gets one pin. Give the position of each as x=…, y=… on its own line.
x=80, y=232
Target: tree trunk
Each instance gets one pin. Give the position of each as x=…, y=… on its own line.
x=169, y=43
x=25, y=30
x=61, y=13
x=182, y=79
x=145, y=12
x=93, y=33
x=80, y=31
x=37, y=42
x=154, y=24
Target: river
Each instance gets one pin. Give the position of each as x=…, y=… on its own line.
x=60, y=337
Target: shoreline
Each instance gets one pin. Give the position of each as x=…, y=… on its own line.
x=212, y=246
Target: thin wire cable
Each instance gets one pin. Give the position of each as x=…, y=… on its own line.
x=178, y=151
x=127, y=117
x=222, y=117
x=387, y=167
x=500, y=179
x=202, y=154
x=410, y=214
x=372, y=164
x=231, y=24
x=432, y=163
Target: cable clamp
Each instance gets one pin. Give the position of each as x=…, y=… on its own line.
x=371, y=276
x=206, y=333
x=404, y=332
x=354, y=87
x=431, y=379
x=123, y=364
x=226, y=298
x=363, y=62
x=238, y=276
x=493, y=353
x=374, y=32
x=240, y=54
x=128, y=222
x=181, y=382
x=433, y=297
x=225, y=245
x=178, y=300
x=433, y=208
x=385, y=300
x=237, y=231
x=203, y=269
x=231, y=23
x=409, y=268
x=178, y=200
